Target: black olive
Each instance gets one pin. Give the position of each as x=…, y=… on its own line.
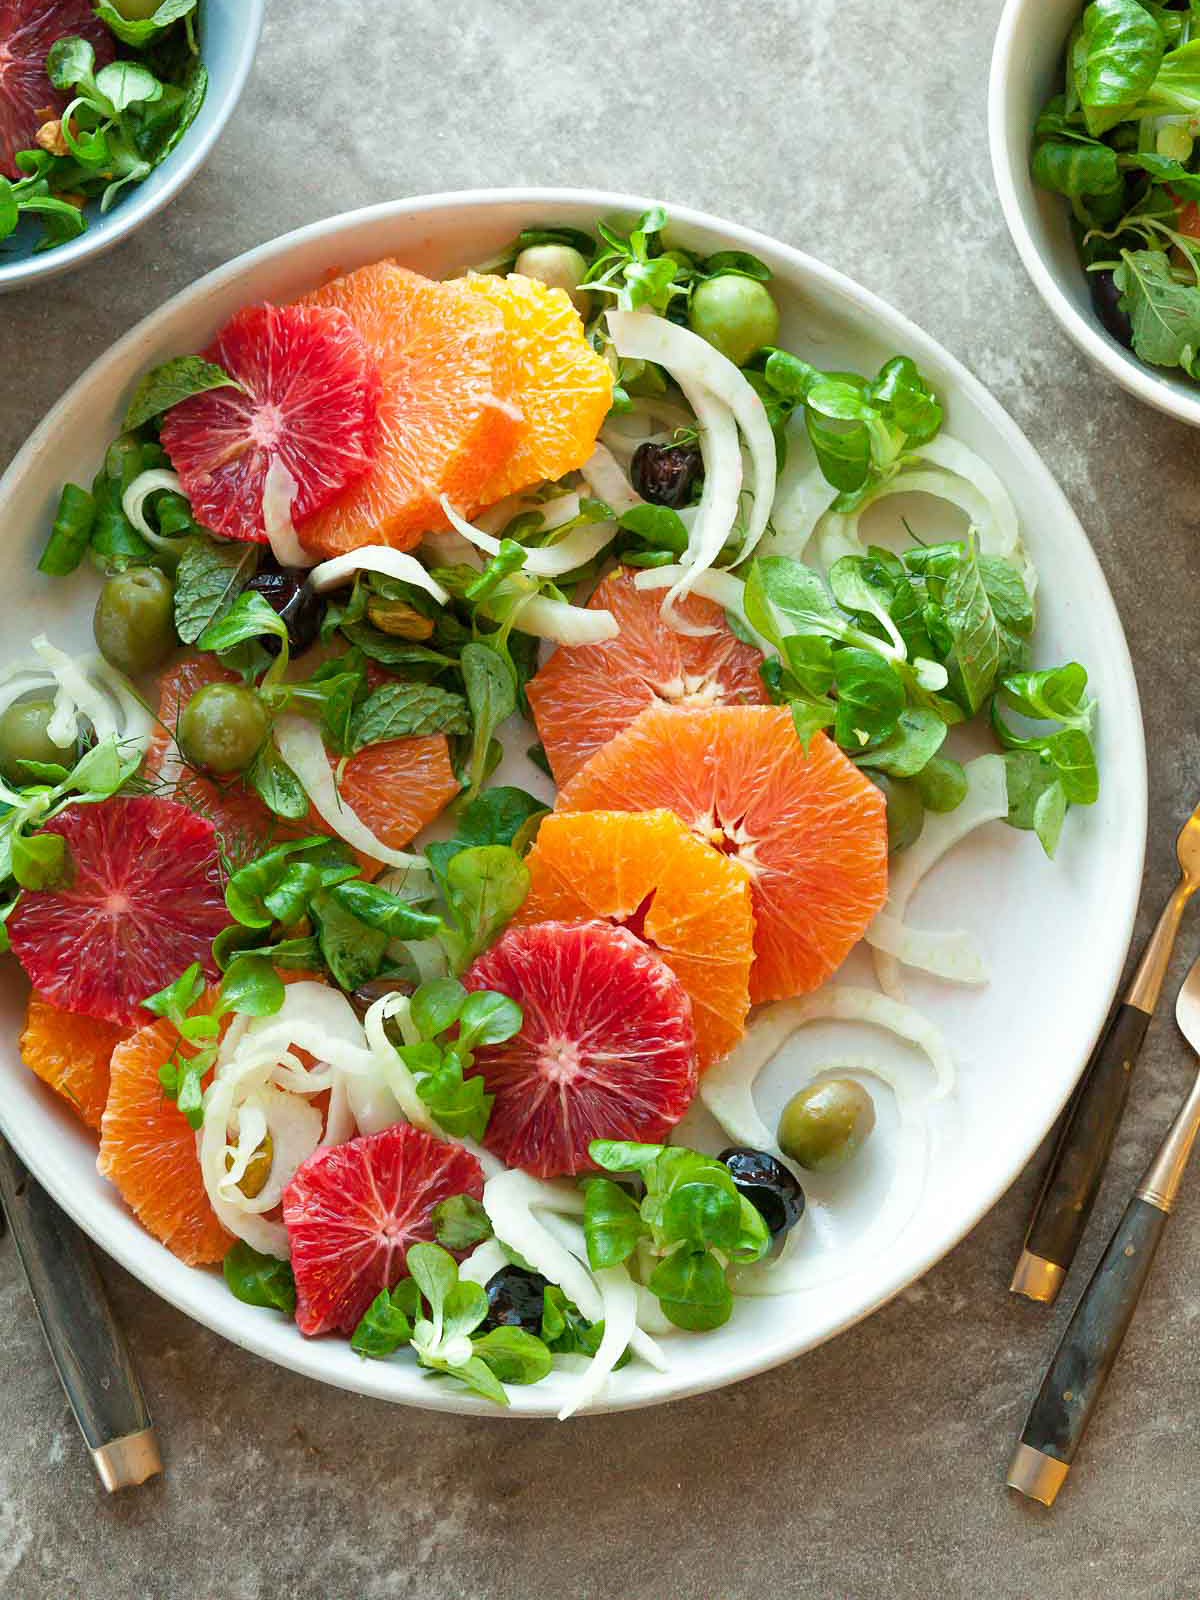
x=516, y=1299
x=664, y=474
x=768, y=1185
x=288, y=592
x=1106, y=299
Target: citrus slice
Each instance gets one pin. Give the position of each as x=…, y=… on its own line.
x=563, y=386
x=585, y=694
x=71, y=1054
x=396, y=788
x=144, y=898
x=689, y=903
x=307, y=398
x=27, y=99
x=607, y=1048
x=148, y=1150
x=809, y=829
x=446, y=414
x=352, y=1210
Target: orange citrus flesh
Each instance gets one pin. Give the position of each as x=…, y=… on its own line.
x=810, y=830
x=396, y=788
x=148, y=1150
x=563, y=386
x=586, y=694
x=71, y=1054
x=447, y=418
x=688, y=902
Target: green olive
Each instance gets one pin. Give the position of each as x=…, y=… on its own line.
x=134, y=622
x=827, y=1124
x=23, y=737
x=942, y=784
x=136, y=10
x=223, y=727
x=905, y=810
x=736, y=315
x=560, y=267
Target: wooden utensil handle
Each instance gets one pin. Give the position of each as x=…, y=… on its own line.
x=1089, y=1347
x=1082, y=1152
x=88, y=1347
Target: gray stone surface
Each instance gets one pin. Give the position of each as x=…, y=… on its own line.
x=873, y=1466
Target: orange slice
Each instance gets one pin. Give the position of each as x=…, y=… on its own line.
x=447, y=420
x=810, y=830
x=563, y=387
x=396, y=788
x=586, y=694
x=71, y=1054
x=688, y=902
x=148, y=1151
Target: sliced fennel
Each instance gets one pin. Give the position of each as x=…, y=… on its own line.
x=279, y=494
x=579, y=546
x=717, y=585
x=605, y=478
x=986, y=800
x=379, y=558
x=133, y=504
x=300, y=744
x=84, y=687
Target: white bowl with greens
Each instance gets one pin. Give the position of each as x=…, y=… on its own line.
x=1095, y=163
x=1017, y=1042
x=149, y=92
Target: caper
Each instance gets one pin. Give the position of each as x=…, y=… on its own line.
x=223, y=727
x=827, y=1124
x=736, y=315
x=559, y=266
x=905, y=810
x=23, y=737
x=258, y=1169
x=134, y=621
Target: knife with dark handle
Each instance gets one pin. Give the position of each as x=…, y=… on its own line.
x=88, y=1347
x=1072, y=1387
x=1090, y=1126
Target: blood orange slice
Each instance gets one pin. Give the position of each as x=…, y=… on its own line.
x=148, y=1150
x=71, y=1054
x=810, y=830
x=396, y=788
x=607, y=1049
x=352, y=1210
x=27, y=30
x=308, y=399
x=584, y=695
x=145, y=899
x=446, y=414
x=563, y=387
x=689, y=903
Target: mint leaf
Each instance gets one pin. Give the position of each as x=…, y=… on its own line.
x=208, y=579
x=407, y=711
x=166, y=385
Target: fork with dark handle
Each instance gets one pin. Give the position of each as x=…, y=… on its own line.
x=1084, y=1359
x=88, y=1347
x=1094, y=1115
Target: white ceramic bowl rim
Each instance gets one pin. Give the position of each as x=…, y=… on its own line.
x=180, y=167
x=1010, y=160
x=268, y=1336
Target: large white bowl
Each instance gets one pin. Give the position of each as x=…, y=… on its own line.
x=1026, y=70
x=1056, y=933
x=228, y=38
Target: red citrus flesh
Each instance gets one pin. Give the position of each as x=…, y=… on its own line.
x=309, y=398
x=606, y=1050
x=27, y=99
x=144, y=900
x=352, y=1210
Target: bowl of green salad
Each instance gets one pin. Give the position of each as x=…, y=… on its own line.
x=1094, y=118
x=107, y=108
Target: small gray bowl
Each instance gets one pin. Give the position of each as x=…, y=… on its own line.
x=229, y=31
